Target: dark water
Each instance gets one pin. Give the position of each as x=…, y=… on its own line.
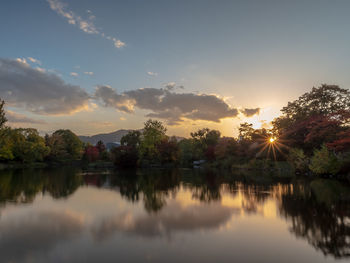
x=65, y=215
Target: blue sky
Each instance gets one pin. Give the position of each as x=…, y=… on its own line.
x=221, y=57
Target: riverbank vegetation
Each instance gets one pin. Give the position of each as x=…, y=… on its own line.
x=312, y=135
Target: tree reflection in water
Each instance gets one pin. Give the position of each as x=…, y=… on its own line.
x=21, y=186
x=320, y=213
x=318, y=210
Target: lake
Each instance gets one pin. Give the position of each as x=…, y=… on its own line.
x=70, y=215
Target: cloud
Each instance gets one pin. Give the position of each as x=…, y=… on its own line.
x=37, y=91
x=22, y=60
x=74, y=74
x=86, y=25
x=118, y=43
x=250, y=112
x=14, y=117
x=33, y=60
x=89, y=73
x=153, y=74
x=72, y=18
x=172, y=219
x=111, y=99
x=164, y=104
x=40, y=69
x=170, y=85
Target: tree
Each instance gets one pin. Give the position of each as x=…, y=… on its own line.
x=6, y=145
x=312, y=132
x=298, y=160
x=3, y=119
x=132, y=138
x=91, y=153
x=342, y=143
x=246, y=131
x=168, y=151
x=64, y=145
x=225, y=147
x=324, y=100
x=153, y=133
x=204, y=141
x=100, y=146
x=27, y=145
x=186, y=149
x=212, y=137
x=103, y=154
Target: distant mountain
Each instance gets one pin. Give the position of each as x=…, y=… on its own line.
x=105, y=137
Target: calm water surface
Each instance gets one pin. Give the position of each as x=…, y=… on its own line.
x=66, y=215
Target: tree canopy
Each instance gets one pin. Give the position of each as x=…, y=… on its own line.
x=65, y=145
x=153, y=133
x=324, y=100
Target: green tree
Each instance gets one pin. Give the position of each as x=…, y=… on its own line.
x=298, y=159
x=325, y=162
x=64, y=145
x=27, y=145
x=3, y=119
x=153, y=133
x=6, y=144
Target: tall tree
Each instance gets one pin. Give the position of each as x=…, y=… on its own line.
x=153, y=133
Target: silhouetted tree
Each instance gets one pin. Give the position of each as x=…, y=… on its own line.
x=324, y=100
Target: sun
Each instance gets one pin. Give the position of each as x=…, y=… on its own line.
x=272, y=140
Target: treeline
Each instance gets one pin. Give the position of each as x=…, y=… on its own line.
x=27, y=146
x=312, y=134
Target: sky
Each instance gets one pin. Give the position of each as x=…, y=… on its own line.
x=99, y=66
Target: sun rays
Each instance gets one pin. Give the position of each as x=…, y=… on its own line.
x=272, y=146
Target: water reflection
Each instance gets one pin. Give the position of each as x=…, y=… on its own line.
x=320, y=213
x=43, y=212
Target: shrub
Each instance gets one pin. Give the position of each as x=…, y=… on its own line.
x=325, y=162
x=298, y=159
